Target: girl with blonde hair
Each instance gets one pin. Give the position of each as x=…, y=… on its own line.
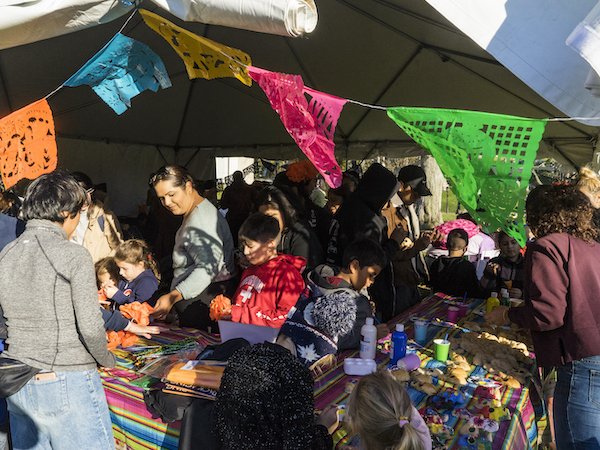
x=139, y=273
x=589, y=184
x=381, y=413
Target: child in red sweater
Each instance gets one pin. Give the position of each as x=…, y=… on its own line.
x=272, y=284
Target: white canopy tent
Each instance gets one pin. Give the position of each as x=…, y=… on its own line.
x=379, y=52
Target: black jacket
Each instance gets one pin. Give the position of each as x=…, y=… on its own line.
x=454, y=276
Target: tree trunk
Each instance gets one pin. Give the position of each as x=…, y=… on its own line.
x=431, y=213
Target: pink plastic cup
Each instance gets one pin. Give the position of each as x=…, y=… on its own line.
x=463, y=310
x=453, y=314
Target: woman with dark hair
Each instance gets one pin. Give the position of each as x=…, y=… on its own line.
x=98, y=230
x=203, y=264
x=297, y=239
x=49, y=298
x=562, y=273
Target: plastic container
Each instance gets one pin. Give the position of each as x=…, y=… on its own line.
x=399, y=340
x=452, y=314
x=463, y=310
x=359, y=366
x=420, y=331
x=504, y=297
x=368, y=340
x=441, y=348
x=492, y=302
x=410, y=362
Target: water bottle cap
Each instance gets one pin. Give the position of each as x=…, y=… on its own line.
x=494, y=294
x=369, y=321
x=503, y=291
x=399, y=327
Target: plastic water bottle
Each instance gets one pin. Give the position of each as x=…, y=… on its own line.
x=492, y=302
x=505, y=297
x=368, y=339
x=399, y=339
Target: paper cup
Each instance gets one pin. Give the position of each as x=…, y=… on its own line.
x=452, y=314
x=421, y=331
x=441, y=348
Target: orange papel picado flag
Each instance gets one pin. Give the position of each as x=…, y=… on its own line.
x=203, y=58
x=27, y=143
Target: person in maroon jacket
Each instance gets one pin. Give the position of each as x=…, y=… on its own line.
x=562, y=308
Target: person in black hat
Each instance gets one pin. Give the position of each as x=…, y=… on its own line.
x=403, y=227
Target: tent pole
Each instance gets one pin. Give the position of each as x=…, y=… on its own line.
x=368, y=154
x=441, y=51
x=192, y=157
x=386, y=88
x=561, y=153
x=539, y=108
x=184, y=115
x=162, y=155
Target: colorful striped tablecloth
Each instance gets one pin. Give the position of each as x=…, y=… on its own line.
x=134, y=428
x=520, y=432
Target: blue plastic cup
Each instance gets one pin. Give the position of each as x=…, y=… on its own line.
x=420, y=331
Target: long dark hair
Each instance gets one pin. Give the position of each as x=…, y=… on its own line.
x=276, y=199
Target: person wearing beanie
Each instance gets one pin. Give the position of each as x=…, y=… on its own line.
x=360, y=217
x=266, y=403
x=329, y=315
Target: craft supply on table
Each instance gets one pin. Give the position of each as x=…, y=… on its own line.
x=441, y=347
x=420, y=327
x=492, y=302
x=359, y=366
x=368, y=339
x=399, y=340
x=452, y=314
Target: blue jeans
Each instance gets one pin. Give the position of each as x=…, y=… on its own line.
x=67, y=413
x=577, y=405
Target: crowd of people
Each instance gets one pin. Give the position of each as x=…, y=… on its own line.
x=271, y=256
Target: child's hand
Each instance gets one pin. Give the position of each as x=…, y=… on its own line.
x=515, y=293
x=110, y=291
x=382, y=330
x=492, y=268
x=329, y=418
x=142, y=330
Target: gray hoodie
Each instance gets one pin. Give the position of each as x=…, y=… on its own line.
x=49, y=298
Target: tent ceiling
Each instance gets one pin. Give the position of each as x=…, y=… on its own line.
x=386, y=52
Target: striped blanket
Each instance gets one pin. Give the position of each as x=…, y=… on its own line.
x=134, y=428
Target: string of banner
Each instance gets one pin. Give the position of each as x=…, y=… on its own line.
x=487, y=158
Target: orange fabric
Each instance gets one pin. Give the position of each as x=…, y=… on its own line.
x=196, y=375
x=139, y=312
x=27, y=143
x=219, y=307
x=120, y=338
